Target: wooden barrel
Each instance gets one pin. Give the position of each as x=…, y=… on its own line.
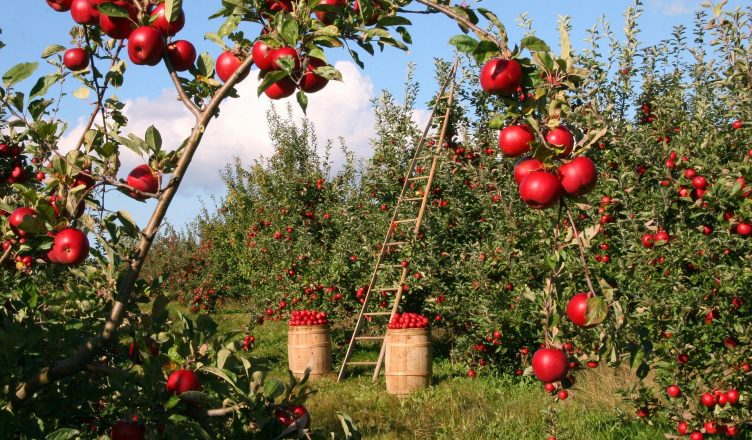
x=408, y=364
x=309, y=345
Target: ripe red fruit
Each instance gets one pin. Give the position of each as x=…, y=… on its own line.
x=561, y=137
x=329, y=17
x=311, y=82
x=592, y=364
x=71, y=246
x=550, y=364
x=501, y=77
x=515, y=140
x=227, y=64
x=286, y=51
x=60, y=5
x=171, y=28
x=281, y=89
x=525, y=167
x=127, y=430
x=673, y=391
x=18, y=216
x=290, y=414
x=744, y=229
x=563, y=394
x=549, y=387
x=540, y=189
x=85, y=11
x=697, y=435
x=143, y=179
x=736, y=125
x=261, y=54
x=181, y=381
x=279, y=5
x=145, y=46
x=579, y=176
x=472, y=374
x=682, y=358
x=577, y=310
x=699, y=182
x=182, y=55
x=708, y=400
x=732, y=396
x=76, y=59
x=642, y=413
x=711, y=427
x=662, y=237
x=119, y=27
x=682, y=428
x=648, y=240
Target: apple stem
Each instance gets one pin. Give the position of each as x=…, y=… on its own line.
x=581, y=245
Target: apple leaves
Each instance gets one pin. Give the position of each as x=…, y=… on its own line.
x=18, y=73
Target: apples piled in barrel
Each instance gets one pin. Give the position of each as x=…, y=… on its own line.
x=540, y=181
x=408, y=320
x=308, y=317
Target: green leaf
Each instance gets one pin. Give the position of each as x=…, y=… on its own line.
x=52, y=50
x=113, y=10
x=302, y=100
x=43, y=85
x=270, y=79
x=534, y=44
x=63, y=434
x=18, y=73
x=172, y=9
x=128, y=222
x=597, y=310
x=393, y=20
x=222, y=357
x=153, y=139
x=273, y=389
x=348, y=426
x=464, y=43
x=223, y=374
x=290, y=31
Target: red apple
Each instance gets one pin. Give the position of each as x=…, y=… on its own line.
x=262, y=55
x=579, y=176
x=288, y=415
x=577, y=310
x=550, y=364
x=143, y=179
x=276, y=54
x=119, y=28
x=501, y=77
x=227, y=64
x=744, y=229
x=329, y=17
x=145, y=46
x=525, y=167
x=171, y=28
x=708, y=400
x=18, y=216
x=60, y=5
x=181, y=381
x=561, y=137
x=71, y=246
x=736, y=125
x=76, y=59
x=673, y=391
x=540, y=189
x=279, y=5
x=515, y=140
x=182, y=55
x=281, y=89
x=85, y=11
x=732, y=396
x=682, y=428
x=127, y=430
x=312, y=83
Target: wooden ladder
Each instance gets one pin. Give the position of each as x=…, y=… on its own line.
x=427, y=151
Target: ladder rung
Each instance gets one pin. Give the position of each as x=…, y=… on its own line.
x=384, y=289
x=411, y=199
x=370, y=338
x=395, y=243
x=363, y=364
x=430, y=156
x=407, y=220
x=378, y=313
x=418, y=178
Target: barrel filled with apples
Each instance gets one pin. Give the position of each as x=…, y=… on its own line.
x=309, y=344
x=407, y=362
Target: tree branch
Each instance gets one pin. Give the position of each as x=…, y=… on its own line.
x=179, y=87
x=483, y=34
x=84, y=354
x=6, y=255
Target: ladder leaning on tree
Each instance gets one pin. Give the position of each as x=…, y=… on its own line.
x=427, y=152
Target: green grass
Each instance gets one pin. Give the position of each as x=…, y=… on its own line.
x=456, y=407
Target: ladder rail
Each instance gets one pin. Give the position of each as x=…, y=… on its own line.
x=448, y=83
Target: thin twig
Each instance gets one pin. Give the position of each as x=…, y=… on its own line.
x=179, y=87
x=581, y=245
x=6, y=255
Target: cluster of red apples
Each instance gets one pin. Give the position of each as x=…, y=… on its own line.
x=148, y=40
x=307, y=317
x=539, y=185
x=407, y=320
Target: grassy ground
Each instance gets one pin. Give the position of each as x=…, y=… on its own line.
x=456, y=407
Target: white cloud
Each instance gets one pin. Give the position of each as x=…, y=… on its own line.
x=342, y=109
x=674, y=7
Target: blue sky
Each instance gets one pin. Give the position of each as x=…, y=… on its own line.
x=28, y=26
